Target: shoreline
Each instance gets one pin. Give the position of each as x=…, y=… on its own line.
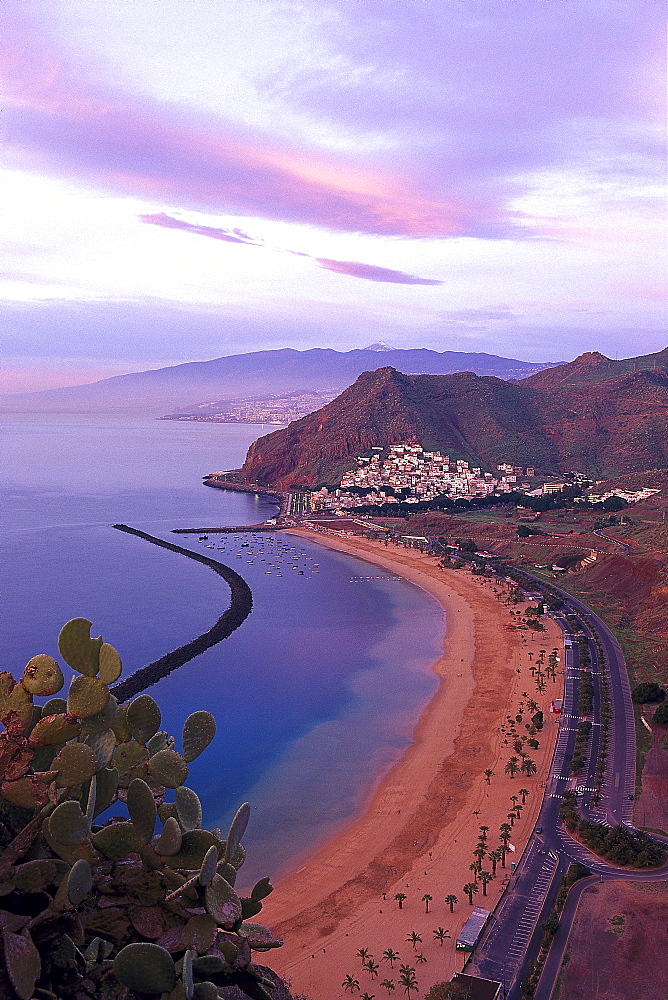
x=428, y=802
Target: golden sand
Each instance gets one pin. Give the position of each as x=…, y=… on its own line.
x=417, y=834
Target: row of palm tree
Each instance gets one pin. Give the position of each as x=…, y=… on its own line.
x=407, y=981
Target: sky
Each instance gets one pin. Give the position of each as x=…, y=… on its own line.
x=186, y=179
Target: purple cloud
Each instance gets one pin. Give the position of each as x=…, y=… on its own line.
x=352, y=268
x=373, y=273
x=228, y=235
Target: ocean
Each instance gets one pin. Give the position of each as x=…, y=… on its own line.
x=315, y=695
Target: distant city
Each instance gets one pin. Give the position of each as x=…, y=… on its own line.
x=274, y=408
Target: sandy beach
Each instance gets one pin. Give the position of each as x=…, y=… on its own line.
x=417, y=834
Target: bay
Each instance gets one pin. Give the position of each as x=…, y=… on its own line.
x=315, y=695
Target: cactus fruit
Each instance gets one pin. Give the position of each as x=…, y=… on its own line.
x=97, y=893
x=42, y=675
x=147, y=968
x=198, y=731
x=143, y=718
x=188, y=809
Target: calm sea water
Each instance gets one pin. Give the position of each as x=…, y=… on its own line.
x=315, y=694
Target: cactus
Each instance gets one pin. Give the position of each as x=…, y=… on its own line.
x=62, y=766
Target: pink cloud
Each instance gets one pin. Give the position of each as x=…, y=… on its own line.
x=373, y=273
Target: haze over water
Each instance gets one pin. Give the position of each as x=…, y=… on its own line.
x=315, y=695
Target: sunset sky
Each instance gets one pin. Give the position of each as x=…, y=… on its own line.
x=185, y=179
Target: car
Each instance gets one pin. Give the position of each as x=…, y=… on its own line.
x=539, y=829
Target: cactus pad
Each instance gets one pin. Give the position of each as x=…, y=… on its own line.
x=102, y=745
x=198, y=731
x=101, y=720
x=86, y=697
x=194, y=846
x=199, y=934
x=117, y=840
x=147, y=968
x=168, y=768
x=54, y=706
x=75, y=763
x=169, y=841
x=206, y=991
x=142, y=809
x=79, y=882
x=14, y=699
x=222, y=902
x=109, y=665
x=22, y=961
x=78, y=649
x=131, y=759
x=53, y=730
x=237, y=830
x=209, y=865
x=68, y=825
x=262, y=889
x=107, y=786
x=143, y=718
x=42, y=675
x=188, y=808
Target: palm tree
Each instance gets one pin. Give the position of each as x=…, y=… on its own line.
x=420, y=958
x=489, y=774
x=371, y=967
x=474, y=868
x=470, y=889
x=528, y=767
x=451, y=900
x=485, y=877
x=512, y=767
x=388, y=984
x=483, y=832
x=400, y=897
x=512, y=817
x=440, y=934
x=494, y=857
x=514, y=799
x=426, y=899
x=504, y=833
x=363, y=953
x=368, y=996
x=480, y=852
x=408, y=981
x=414, y=938
x=350, y=984
x=390, y=956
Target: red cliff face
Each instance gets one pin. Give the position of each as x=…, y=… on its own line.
x=602, y=422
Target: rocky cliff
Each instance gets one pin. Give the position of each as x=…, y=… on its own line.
x=605, y=426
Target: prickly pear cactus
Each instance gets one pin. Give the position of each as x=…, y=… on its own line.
x=136, y=907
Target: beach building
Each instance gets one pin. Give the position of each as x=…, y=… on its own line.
x=477, y=988
x=472, y=929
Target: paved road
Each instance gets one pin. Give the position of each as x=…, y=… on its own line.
x=512, y=939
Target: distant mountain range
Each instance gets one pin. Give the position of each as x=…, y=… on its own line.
x=252, y=376
x=592, y=415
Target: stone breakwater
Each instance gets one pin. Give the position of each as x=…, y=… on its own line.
x=241, y=605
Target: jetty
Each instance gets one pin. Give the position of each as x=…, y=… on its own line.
x=241, y=605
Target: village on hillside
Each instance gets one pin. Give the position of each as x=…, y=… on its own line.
x=410, y=474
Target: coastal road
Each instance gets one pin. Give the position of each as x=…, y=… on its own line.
x=512, y=939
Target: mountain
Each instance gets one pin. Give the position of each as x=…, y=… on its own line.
x=165, y=390
x=613, y=426
x=594, y=367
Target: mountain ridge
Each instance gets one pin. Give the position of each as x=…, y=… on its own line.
x=175, y=387
x=613, y=426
